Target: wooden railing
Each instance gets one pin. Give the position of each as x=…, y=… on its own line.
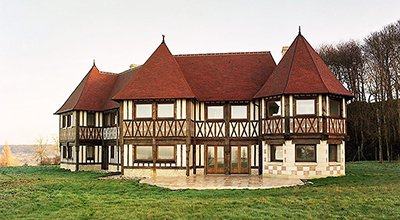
x=110, y=133
x=67, y=134
x=154, y=128
x=243, y=128
x=90, y=133
x=304, y=125
x=207, y=129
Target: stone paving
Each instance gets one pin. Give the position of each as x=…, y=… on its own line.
x=221, y=182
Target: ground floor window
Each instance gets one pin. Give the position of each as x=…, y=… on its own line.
x=333, y=151
x=306, y=153
x=69, y=156
x=64, y=152
x=144, y=153
x=90, y=153
x=277, y=153
x=112, y=152
x=166, y=153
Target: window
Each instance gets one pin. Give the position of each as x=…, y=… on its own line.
x=333, y=150
x=112, y=152
x=306, y=153
x=69, y=120
x=274, y=108
x=305, y=106
x=334, y=108
x=144, y=153
x=165, y=111
x=90, y=120
x=110, y=119
x=64, y=121
x=64, y=149
x=166, y=153
x=144, y=111
x=239, y=112
x=90, y=153
x=69, y=152
x=277, y=153
x=215, y=112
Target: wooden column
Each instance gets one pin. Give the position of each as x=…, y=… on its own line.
x=287, y=116
x=194, y=139
x=324, y=115
x=227, y=149
x=121, y=134
x=188, y=134
x=77, y=140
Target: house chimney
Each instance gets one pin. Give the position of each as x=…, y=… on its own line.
x=133, y=66
x=284, y=49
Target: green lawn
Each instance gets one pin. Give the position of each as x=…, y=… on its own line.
x=369, y=191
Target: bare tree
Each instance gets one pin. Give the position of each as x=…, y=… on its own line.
x=6, y=158
x=41, y=149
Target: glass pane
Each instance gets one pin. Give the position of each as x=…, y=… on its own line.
x=239, y=112
x=165, y=111
x=144, y=153
x=143, y=111
x=277, y=152
x=211, y=157
x=90, y=119
x=243, y=157
x=305, y=153
x=215, y=112
x=305, y=107
x=89, y=152
x=274, y=108
x=220, y=157
x=332, y=152
x=166, y=152
x=235, y=157
x=334, y=108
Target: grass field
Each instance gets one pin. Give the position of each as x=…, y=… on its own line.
x=369, y=191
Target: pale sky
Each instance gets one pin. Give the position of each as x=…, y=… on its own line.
x=47, y=47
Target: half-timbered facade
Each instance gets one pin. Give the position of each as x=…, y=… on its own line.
x=204, y=114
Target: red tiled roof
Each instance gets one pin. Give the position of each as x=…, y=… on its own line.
x=226, y=76
x=302, y=71
x=92, y=93
x=160, y=77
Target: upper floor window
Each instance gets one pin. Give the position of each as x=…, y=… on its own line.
x=334, y=108
x=143, y=111
x=274, y=108
x=165, y=110
x=90, y=119
x=111, y=119
x=69, y=120
x=66, y=121
x=239, y=112
x=305, y=106
x=215, y=112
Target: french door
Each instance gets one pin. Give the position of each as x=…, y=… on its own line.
x=239, y=159
x=215, y=159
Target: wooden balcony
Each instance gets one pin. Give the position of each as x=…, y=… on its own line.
x=210, y=129
x=67, y=134
x=304, y=125
x=90, y=133
x=110, y=133
x=154, y=128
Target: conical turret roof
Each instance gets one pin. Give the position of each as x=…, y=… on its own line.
x=302, y=71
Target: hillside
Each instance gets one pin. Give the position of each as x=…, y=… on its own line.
x=26, y=153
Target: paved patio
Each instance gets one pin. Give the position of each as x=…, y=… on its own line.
x=220, y=182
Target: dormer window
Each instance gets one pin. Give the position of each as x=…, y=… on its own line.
x=143, y=111
x=305, y=106
x=165, y=110
x=274, y=108
x=239, y=112
x=90, y=119
x=215, y=112
x=334, y=108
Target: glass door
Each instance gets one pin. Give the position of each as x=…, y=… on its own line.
x=215, y=159
x=239, y=159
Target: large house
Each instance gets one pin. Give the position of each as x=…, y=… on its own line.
x=202, y=114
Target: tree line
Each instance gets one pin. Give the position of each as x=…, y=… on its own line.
x=370, y=70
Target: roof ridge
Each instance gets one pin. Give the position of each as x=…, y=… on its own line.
x=107, y=73
x=227, y=53
x=291, y=66
x=316, y=67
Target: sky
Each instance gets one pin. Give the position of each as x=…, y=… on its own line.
x=48, y=46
